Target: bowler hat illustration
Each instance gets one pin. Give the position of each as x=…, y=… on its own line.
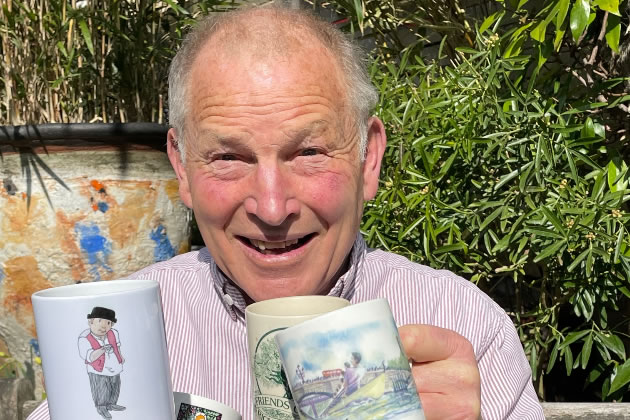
x=103, y=313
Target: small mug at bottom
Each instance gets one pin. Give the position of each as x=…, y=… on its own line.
x=194, y=407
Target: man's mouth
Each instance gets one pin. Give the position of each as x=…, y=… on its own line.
x=276, y=247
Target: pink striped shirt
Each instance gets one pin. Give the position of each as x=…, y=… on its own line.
x=205, y=326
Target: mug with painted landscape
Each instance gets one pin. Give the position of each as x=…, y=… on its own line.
x=103, y=350
x=271, y=393
x=350, y=365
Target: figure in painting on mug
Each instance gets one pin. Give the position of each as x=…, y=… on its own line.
x=99, y=347
x=354, y=373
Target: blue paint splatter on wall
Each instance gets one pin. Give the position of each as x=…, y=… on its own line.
x=96, y=246
x=35, y=346
x=102, y=206
x=163, y=249
x=2, y=275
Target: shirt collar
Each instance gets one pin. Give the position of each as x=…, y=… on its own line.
x=234, y=302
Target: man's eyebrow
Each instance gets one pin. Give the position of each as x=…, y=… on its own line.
x=220, y=139
x=311, y=128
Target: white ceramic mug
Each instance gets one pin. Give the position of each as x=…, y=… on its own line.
x=194, y=407
x=272, y=397
x=350, y=365
x=103, y=351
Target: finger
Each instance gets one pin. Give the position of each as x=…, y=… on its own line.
x=427, y=343
x=439, y=406
x=436, y=377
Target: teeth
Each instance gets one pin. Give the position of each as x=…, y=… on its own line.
x=262, y=245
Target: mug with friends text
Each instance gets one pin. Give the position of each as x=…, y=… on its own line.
x=103, y=350
x=350, y=365
x=271, y=393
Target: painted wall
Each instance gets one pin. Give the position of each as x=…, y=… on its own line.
x=99, y=215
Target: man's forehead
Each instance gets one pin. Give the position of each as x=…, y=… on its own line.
x=308, y=128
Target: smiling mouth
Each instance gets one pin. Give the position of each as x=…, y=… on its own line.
x=276, y=247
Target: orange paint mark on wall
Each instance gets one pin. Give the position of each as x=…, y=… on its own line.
x=65, y=233
x=17, y=220
x=97, y=185
x=184, y=247
x=172, y=190
x=23, y=278
x=134, y=212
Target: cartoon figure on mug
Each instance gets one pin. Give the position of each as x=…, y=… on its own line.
x=99, y=347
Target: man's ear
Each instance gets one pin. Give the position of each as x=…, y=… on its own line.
x=376, y=141
x=174, y=155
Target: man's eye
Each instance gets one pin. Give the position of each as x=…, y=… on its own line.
x=227, y=156
x=309, y=152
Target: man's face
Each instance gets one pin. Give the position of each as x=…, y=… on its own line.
x=100, y=326
x=272, y=170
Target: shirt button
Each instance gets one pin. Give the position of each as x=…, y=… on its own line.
x=227, y=299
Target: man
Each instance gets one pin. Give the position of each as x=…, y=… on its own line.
x=99, y=347
x=353, y=373
x=276, y=152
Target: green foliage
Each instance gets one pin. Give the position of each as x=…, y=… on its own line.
x=519, y=190
x=90, y=61
x=578, y=15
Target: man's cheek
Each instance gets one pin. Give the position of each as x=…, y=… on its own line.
x=328, y=191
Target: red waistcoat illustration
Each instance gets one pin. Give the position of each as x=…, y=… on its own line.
x=100, y=362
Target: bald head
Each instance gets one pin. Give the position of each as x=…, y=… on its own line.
x=271, y=35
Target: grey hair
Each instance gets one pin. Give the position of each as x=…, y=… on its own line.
x=361, y=94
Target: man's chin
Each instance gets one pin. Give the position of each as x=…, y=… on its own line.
x=266, y=293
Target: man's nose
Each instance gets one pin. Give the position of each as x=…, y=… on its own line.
x=271, y=198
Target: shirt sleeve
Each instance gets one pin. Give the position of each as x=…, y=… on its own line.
x=40, y=413
x=85, y=349
x=506, y=380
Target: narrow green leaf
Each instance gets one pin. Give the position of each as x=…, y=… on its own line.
x=450, y=248
x=490, y=218
x=87, y=36
x=586, y=350
x=358, y=8
x=613, y=32
x=563, y=8
x=621, y=378
x=539, y=231
x=490, y=20
x=579, y=18
x=550, y=250
x=589, y=262
x=572, y=337
x=598, y=187
x=618, y=243
x=557, y=42
x=409, y=228
x=577, y=260
x=613, y=172
x=553, y=356
x=612, y=342
x=554, y=220
x=611, y=6
x=568, y=360
x=539, y=32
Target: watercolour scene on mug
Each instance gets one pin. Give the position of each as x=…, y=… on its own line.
x=353, y=373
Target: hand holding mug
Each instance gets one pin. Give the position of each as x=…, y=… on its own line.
x=445, y=372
